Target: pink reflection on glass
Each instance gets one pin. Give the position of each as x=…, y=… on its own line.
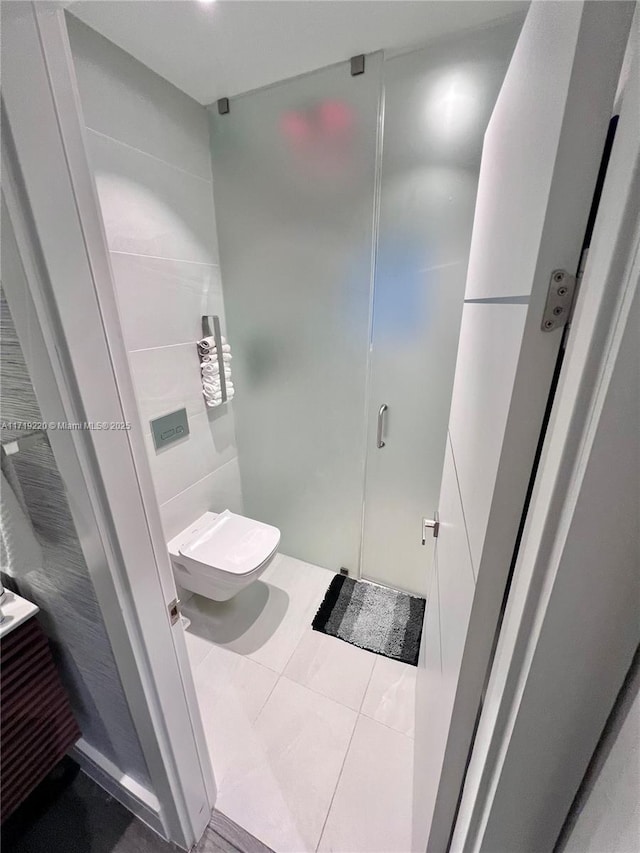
x=321, y=137
x=295, y=126
x=335, y=116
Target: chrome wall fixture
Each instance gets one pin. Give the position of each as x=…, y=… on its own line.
x=211, y=328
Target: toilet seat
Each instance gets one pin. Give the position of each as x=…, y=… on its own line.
x=229, y=543
x=221, y=553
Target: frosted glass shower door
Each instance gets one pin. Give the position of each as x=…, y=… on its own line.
x=294, y=175
x=438, y=102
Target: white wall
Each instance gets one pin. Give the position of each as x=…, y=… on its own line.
x=149, y=148
x=607, y=812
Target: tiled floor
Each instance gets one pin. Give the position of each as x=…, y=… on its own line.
x=311, y=738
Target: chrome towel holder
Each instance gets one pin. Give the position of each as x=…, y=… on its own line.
x=211, y=328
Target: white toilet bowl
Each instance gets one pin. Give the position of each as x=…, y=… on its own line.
x=222, y=553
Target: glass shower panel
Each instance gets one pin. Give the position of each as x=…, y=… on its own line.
x=294, y=175
x=437, y=105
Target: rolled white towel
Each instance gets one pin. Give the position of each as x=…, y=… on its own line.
x=207, y=343
x=214, y=392
x=211, y=375
x=214, y=366
x=215, y=380
x=224, y=348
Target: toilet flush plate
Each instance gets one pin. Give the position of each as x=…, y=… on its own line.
x=169, y=428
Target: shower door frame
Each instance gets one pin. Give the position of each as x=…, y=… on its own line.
x=509, y=27
x=50, y=197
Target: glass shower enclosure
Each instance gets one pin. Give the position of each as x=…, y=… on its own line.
x=344, y=208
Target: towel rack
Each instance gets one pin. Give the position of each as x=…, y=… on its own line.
x=208, y=331
x=15, y=445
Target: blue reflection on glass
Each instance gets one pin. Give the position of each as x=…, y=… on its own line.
x=401, y=312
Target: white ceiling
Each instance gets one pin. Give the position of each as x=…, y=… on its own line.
x=217, y=49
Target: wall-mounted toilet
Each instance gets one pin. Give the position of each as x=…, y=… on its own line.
x=222, y=553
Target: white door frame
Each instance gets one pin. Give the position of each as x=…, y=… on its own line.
x=50, y=195
x=581, y=31
x=541, y=699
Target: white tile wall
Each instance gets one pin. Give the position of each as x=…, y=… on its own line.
x=165, y=379
x=172, y=293
x=124, y=99
x=483, y=374
x=150, y=207
x=217, y=491
x=455, y=589
x=177, y=466
x=149, y=148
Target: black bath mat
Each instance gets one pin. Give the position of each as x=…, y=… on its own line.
x=372, y=617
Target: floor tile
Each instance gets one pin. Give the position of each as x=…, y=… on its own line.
x=197, y=647
x=331, y=667
x=231, y=691
x=390, y=696
x=304, y=586
x=281, y=787
x=371, y=810
x=224, y=675
x=266, y=620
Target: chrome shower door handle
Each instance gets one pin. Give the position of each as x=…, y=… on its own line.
x=381, y=411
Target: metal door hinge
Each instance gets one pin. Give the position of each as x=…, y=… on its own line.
x=430, y=524
x=557, y=311
x=357, y=65
x=174, y=611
